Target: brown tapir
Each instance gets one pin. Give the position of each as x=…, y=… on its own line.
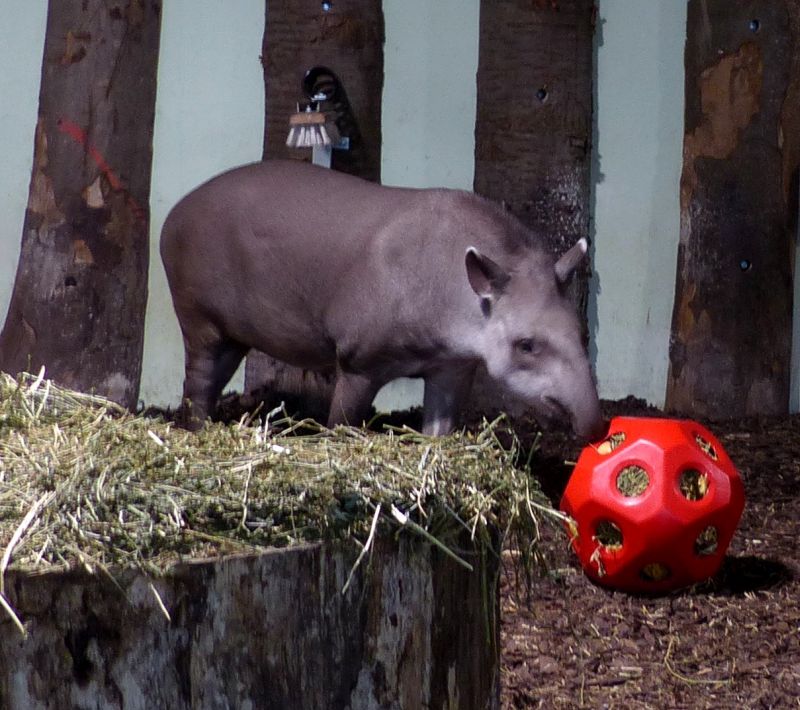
x=369, y=283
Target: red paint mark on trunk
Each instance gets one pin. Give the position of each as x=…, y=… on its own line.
x=74, y=131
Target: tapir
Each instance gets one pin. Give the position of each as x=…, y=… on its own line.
x=367, y=283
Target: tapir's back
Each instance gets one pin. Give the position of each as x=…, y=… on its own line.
x=296, y=220
x=279, y=197
x=278, y=231
x=263, y=250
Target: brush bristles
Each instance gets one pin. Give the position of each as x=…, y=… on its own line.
x=307, y=130
x=307, y=136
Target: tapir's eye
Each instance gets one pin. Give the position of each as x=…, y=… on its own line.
x=526, y=345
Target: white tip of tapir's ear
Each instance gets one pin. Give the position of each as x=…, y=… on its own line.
x=487, y=278
x=567, y=264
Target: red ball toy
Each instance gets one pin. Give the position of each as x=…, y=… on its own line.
x=656, y=504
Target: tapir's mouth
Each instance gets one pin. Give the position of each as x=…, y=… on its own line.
x=551, y=414
x=554, y=411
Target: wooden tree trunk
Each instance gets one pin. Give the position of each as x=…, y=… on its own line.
x=732, y=319
x=271, y=631
x=533, y=129
x=347, y=39
x=534, y=122
x=79, y=297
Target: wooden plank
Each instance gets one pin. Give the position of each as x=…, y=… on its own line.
x=78, y=302
x=732, y=319
x=271, y=631
x=348, y=39
x=534, y=118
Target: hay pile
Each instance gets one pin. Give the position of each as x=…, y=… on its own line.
x=83, y=482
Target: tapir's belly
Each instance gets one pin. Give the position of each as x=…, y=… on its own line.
x=304, y=342
x=290, y=340
x=299, y=355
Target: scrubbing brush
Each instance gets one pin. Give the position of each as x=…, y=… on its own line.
x=307, y=128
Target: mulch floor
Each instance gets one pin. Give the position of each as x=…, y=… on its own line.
x=731, y=642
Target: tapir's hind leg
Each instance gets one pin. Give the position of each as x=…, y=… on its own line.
x=352, y=399
x=209, y=367
x=446, y=392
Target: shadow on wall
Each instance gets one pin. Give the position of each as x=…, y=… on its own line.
x=596, y=177
x=794, y=390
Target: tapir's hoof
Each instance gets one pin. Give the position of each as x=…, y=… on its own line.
x=187, y=419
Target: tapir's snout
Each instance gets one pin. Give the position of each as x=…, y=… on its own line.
x=587, y=420
x=571, y=399
x=593, y=431
x=583, y=415
x=580, y=408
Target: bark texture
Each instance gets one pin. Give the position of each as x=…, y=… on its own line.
x=270, y=631
x=732, y=319
x=78, y=302
x=533, y=131
x=348, y=39
x=534, y=122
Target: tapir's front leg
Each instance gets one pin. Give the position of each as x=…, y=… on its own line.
x=446, y=391
x=352, y=399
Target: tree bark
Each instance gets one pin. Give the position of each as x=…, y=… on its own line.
x=732, y=319
x=533, y=131
x=270, y=631
x=78, y=302
x=347, y=39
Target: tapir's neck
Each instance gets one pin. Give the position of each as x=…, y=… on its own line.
x=466, y=331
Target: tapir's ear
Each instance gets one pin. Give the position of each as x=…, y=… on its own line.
x=487, y=278
x=567, y=264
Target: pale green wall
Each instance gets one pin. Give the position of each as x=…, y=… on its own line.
x=430, y=62
x=209, y=117
x=638, y=162
x=22, y=31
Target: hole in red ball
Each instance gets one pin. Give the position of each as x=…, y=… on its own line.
x=706, y=446
x=610, y=443
x=655, y=572
x=707, y=542
x=632, y=481
x=608, y=535
x=693, y=484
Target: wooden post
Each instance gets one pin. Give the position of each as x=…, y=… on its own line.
x=534, y=127
x=346, y=36
x=79, y=297
x=534, y=122
x=732, y=319
x=270, y=631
